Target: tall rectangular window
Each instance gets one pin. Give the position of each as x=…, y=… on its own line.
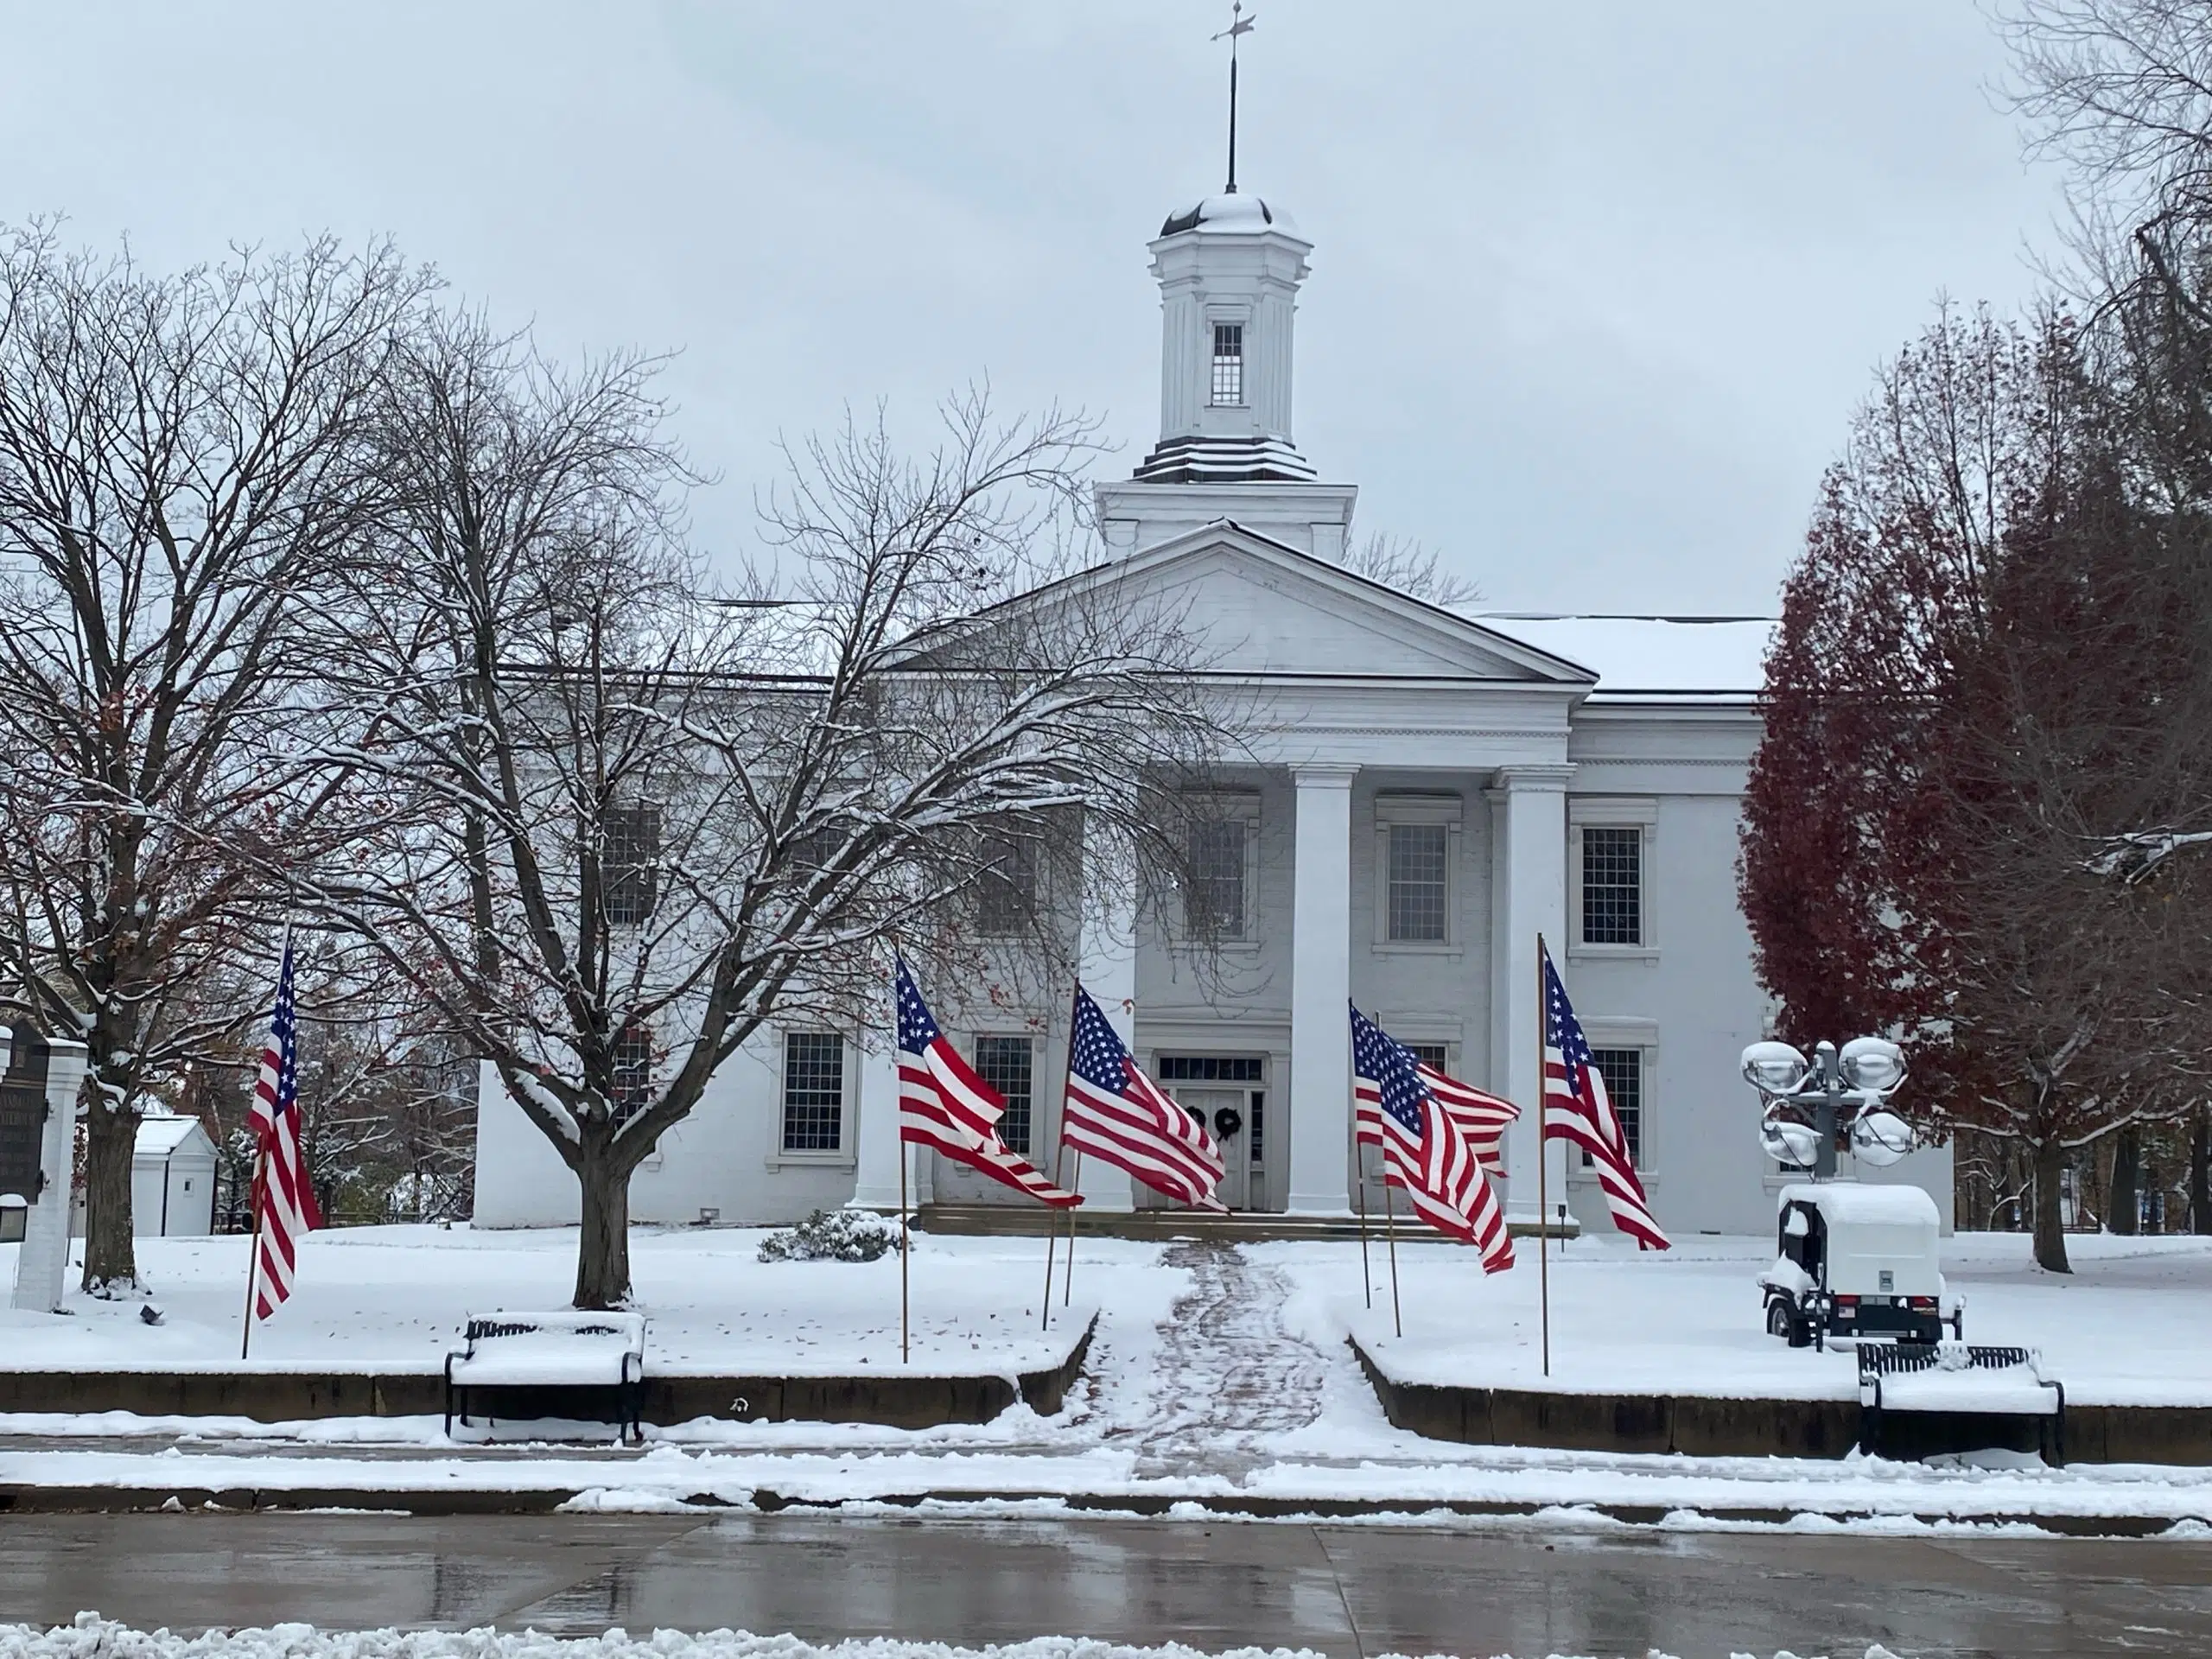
x=1419, y=882
x=814, y=1091
x=629, y=863
x=1213, y=905
x=1005, y=1064
x=1623, y=1070
x=1228, y=363
x=1007, y=896
x=1612, y=885
x=633, y=1071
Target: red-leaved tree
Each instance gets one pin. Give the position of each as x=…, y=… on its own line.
x=1970, y=696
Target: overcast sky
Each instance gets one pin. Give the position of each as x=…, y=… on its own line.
x=1595, y=284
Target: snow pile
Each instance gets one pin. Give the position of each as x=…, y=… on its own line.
x=832, y=1236
x=92, y=1637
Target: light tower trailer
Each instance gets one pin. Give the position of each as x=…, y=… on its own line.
x=1858, y=1263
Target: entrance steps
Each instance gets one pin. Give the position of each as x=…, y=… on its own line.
x=1252, y=1226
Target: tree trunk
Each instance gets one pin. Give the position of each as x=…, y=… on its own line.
x=110, y=1142
x=2050, y=1230
x=603, y=1244
x=2199, y=1172
x=2124, y=1201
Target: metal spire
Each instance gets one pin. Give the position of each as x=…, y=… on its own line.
x=1238, y=24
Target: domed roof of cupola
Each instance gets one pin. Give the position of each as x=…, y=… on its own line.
x=1235, y=214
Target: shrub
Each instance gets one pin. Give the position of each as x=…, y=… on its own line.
x=833, y=1235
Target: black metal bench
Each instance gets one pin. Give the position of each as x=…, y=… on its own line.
x=584, y=1367
x=1878, y=1362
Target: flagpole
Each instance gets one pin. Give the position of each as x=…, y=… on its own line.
x=1359, y=1185
x=1543, y=1195
x=1052, y=1231
x=1059, y=1162
x=1390, y=1232
x=1067, y=1285
x=905, y=1250
x=253, y=1256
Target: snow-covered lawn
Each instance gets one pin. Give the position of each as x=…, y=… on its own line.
x=91, y=1638
x=2132, y=1326
x=2129, y=1327
x=395, y=1298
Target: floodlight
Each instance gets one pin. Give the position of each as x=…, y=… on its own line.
x=1774, y=1068
x=1873, y=1065
x=1789, y=1142
x=1881, y=1138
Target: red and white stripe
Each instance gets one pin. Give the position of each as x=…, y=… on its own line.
x=283, y=1199
x=943, y=1104
x=1145, y=1133
x=1587, y=1120
x=1441, y=1173
x=1483, y=1118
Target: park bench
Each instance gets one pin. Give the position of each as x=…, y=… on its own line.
x=527, y=1367
x=1961, y=1379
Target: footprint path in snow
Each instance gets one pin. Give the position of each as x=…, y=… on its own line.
x=1230, y=1378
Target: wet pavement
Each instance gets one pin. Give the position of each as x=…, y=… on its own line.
x=1346, y=1590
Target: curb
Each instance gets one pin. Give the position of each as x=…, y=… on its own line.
x=81, y=1500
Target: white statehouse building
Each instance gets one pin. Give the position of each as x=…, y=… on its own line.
x=1423, y=793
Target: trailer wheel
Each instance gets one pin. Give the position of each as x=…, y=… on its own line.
x=1781, y=1321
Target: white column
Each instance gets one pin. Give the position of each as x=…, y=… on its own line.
x=43, y=1266
x=1320, y=994
x=1529, y=889
x=1108, y=956
x=877, y=1149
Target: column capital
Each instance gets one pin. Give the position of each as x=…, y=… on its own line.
x=1509, y=780
x=1324, y=774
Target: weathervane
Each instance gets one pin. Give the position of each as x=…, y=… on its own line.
x=1238, y=24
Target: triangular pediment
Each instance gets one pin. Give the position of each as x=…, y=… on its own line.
x=1264, y=609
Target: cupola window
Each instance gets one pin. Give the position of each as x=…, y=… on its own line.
x=1227, y=363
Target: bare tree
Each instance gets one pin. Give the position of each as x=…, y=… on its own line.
x=178, y=464
x=1412, y=569
x=623, y=827
x=2122, y=90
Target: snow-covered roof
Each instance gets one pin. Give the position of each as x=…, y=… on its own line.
x=160, y=1136
x=1871, y=1206
x=1239, y=213
x=1650, y=656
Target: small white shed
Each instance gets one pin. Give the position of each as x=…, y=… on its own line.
x=172, y=1180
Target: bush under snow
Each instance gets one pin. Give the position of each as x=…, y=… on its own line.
x=833, y=1235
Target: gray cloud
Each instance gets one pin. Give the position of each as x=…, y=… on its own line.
x=1595, y=285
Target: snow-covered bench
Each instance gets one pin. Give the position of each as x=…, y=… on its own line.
x=1957, y=1377
x=530, y=1362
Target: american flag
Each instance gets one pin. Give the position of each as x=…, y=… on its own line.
x=1117, y=1113
x=1482, y=1117
x=943, y=1103
x=1425, y=1151
x=1577, y=1109
x=283, y=1198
